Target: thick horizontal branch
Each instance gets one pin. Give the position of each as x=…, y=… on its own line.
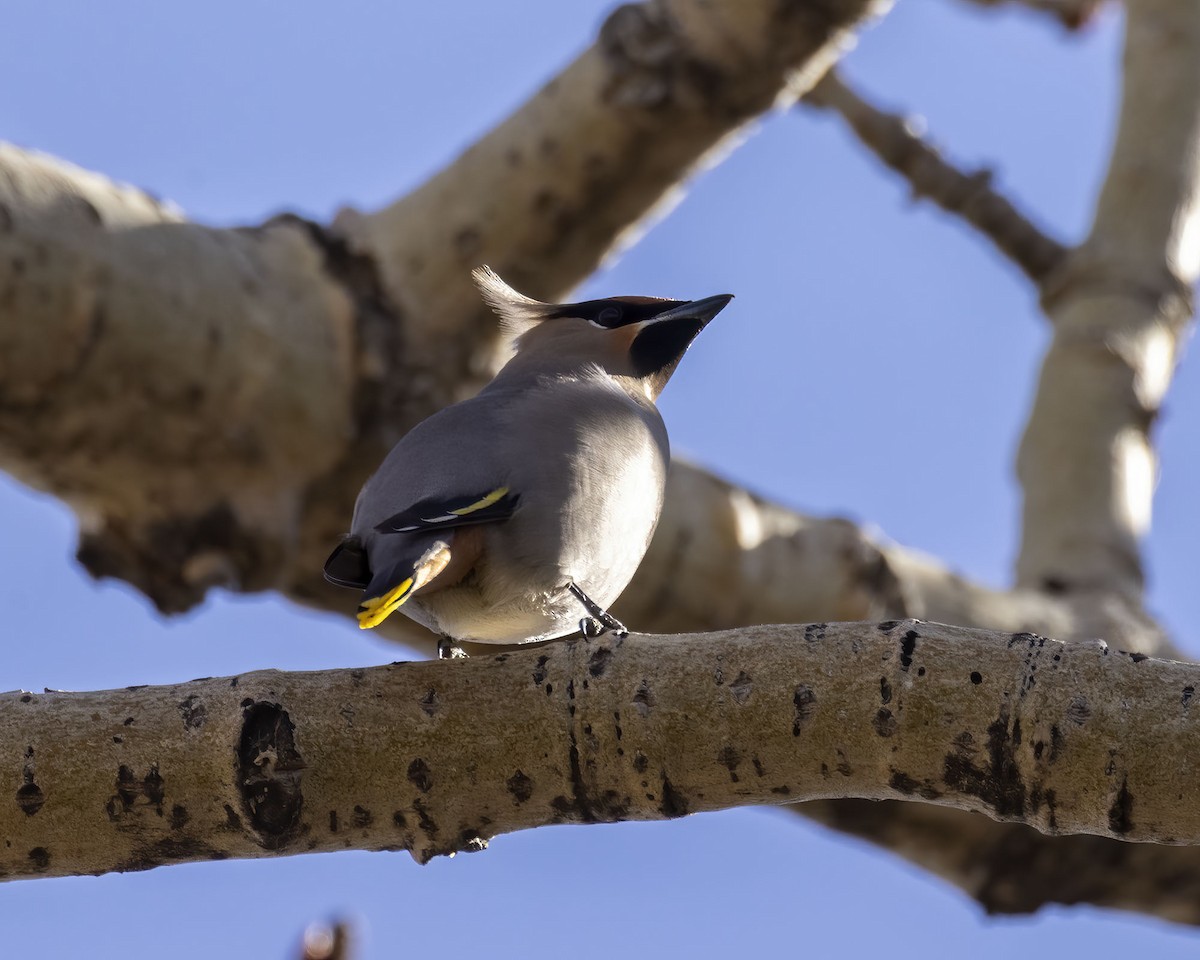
x=439, y=757
x=971, y=196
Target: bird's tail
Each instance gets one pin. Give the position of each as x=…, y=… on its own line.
x=398, y=581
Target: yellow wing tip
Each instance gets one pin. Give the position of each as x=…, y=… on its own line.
x=482, y=502
x=372, y=612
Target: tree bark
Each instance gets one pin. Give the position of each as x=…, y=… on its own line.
x=282, y=361
x=437, y=758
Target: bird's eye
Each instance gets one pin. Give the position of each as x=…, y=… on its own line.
x=608, y=316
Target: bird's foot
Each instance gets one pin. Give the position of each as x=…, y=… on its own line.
x=600, y=621
x=591, y=628
x=449, y=650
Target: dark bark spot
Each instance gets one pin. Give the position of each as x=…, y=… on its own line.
x=1078, y=710
x=885, y=690
x=976, y=677
x=1138, y=657
x=640, y=762
x=118, y=739
x=520, y=786
x=907, y=646
x=815, y=632
x=1120, y=814
x=784, y=790
x=758, y=765
x=884, y=723
x=179, y=816
x=232, y=820
x=1188, y=693
x=40, y=857
x=611, y=807
x=363, y=817
x=193, y=712
x=903, y=782
x=399, y=819
x=804, y=703
x=126, y=786
x=999, y=784
x=843, y=765
x=29, y=796
x=1057, y=740
x=598, y=662
x=269, y=774
x=673, y=803
x=429, y=702
x=729, y=758
x=741, y=688
x=643, y=699
x=424, y=820
x=539, y=671
x=419, y=775
x=333, y=821
x=887, y=626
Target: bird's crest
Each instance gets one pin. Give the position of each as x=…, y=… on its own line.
x=518, y=313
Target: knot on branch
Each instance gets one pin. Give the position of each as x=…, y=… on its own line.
x=1088, y=272
x=650, y=62
x=269, y=774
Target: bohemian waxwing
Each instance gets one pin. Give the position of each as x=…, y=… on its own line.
x=522, y=513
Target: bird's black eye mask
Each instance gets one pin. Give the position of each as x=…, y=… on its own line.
x=616, y=311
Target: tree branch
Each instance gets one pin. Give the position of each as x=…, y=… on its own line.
x=895, y=140
x=439, y=757
x=598, y=154
x=1121, y=306
x=1073, y=14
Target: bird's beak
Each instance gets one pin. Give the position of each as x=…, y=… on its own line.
x=698, y=311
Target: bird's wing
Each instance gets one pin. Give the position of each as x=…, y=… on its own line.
x=414, y=546
x=440, y=513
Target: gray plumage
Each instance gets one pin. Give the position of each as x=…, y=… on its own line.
x=552, y=475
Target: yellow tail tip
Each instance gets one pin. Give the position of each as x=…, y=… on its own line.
x=372, y=612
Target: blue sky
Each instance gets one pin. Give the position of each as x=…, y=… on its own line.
x=880, y=362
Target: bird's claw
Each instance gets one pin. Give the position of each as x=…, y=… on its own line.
x=591, y=628
x=448, y=650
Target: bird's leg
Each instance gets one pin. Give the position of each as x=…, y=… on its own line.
x=600, y=621
x=449, y=650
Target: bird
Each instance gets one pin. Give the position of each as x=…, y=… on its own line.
x=521, y=514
